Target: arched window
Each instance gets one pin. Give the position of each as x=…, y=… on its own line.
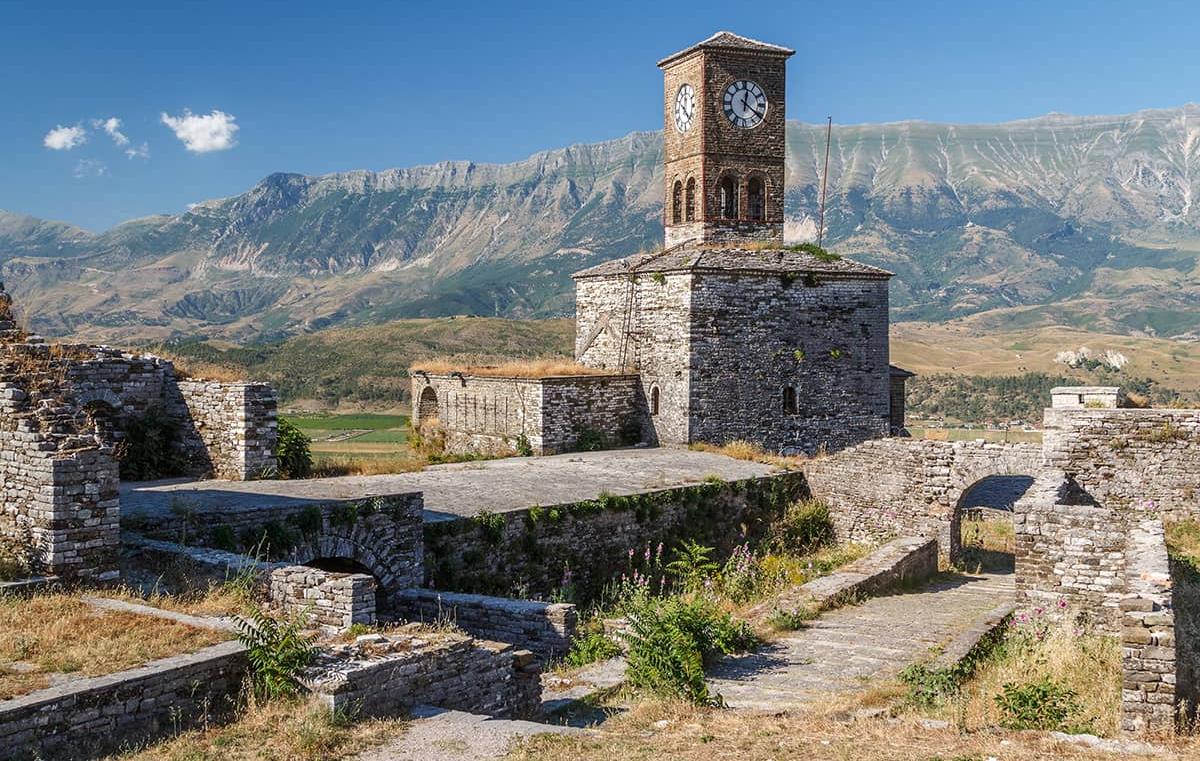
x=690, y=213
x=727, y=198
x=756, y=201
x=789, y=401
x=677, y=203
x=654, y=395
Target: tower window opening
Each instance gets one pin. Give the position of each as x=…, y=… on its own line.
x=654, y=397
x=789, y=401
x=677, y=203
x=756, y=206
x=727, y=198
x=690, y=208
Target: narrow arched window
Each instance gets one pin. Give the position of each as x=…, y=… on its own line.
x=789, y=401
x=727, y=198
x=654, y=400
x=756, y=202
x=677, y=203
x=690, y=208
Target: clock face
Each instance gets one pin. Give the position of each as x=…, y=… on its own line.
x=745, y=104
x=685, y=108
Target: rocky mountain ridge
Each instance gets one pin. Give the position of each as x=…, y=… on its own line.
x=1077, y=221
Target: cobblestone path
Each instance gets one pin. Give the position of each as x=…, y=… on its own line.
x=851, y=647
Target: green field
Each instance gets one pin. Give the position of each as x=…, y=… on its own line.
x=355, y=436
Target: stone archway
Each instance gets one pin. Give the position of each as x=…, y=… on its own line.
x=982, y=532
x=363, y=546
x=974, y=464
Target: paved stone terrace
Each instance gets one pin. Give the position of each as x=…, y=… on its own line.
x=461, y=489
x=851, y=647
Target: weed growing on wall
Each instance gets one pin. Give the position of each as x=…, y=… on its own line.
x=149, y=449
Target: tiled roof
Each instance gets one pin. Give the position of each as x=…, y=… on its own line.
x=730, y=41
x=710, y=258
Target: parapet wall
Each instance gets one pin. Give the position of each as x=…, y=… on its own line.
x=551, y=415
x=229, y=429
x=1148, y=641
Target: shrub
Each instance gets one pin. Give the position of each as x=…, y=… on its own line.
x=14, y=559
x=669, y=642
x=150, y=447
x=293, y=451
x=930, y=687
x=591, y=647
x=1043, y=704
x=590, y=440
x=277, y=652
x=805, y=526
x=524, y=446
x=791, y=620
x=812, y=248
x=491, y=526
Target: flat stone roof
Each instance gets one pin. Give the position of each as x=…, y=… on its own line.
x=461, y=489
x=692, y=257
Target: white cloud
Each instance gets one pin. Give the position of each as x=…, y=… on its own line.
x=201, y=134
x=65, y=138
x=138, y=151
x=90, y=168
x=111, y=125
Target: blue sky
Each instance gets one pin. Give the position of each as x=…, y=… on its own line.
x=318, y=87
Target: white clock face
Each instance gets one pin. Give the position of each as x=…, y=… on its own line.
x=745, y=104
x=685, y=108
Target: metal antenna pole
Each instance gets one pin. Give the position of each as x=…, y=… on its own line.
x=824, y=182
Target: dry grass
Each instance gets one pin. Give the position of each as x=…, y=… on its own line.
x=1087, y=663
x=682, y=733
x=515, y=368
x=1183, y=539
x=325, y=466
x=237, y=596
x=59, y=633
x=194, y=369
x=744, y=450
x=278, y=731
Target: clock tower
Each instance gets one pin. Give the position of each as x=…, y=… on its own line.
x=724, y=142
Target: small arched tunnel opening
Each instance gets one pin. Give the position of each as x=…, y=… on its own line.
x=427, y=407
x=982, y=536
x=383, y=609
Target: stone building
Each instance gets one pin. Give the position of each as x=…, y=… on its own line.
x=728, y=333
x=64, y=413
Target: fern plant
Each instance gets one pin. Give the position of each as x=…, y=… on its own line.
x=691, y=565
x=277, y=652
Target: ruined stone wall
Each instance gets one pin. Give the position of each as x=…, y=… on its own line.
x=491, y=415
x=648, y=316
x=1148, y=662
x=888, y=487
x=1185, y=600
x=544, y=628
x=754, y=335
x=324, y=598
x=383, y=534
x=92, y=717
x=538, y=551
x=229, y=430
x=393, y=673
x=1134, y=461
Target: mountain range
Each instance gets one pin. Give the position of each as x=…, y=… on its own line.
x=1089, y=222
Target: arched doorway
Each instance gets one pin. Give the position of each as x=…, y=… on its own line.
x=427, y=406
x=982, y=538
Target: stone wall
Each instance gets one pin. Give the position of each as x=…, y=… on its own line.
x=890, y=487
x=1135, y=461
x=1185, y=599
x=388, y=675
x=538, y=551
x=229, y=429
x=1148, y=635
x=92, y=717
x=552, y=415
x=1069, y=548
x=324, y=598
x=544, y=628
x=380, y=534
